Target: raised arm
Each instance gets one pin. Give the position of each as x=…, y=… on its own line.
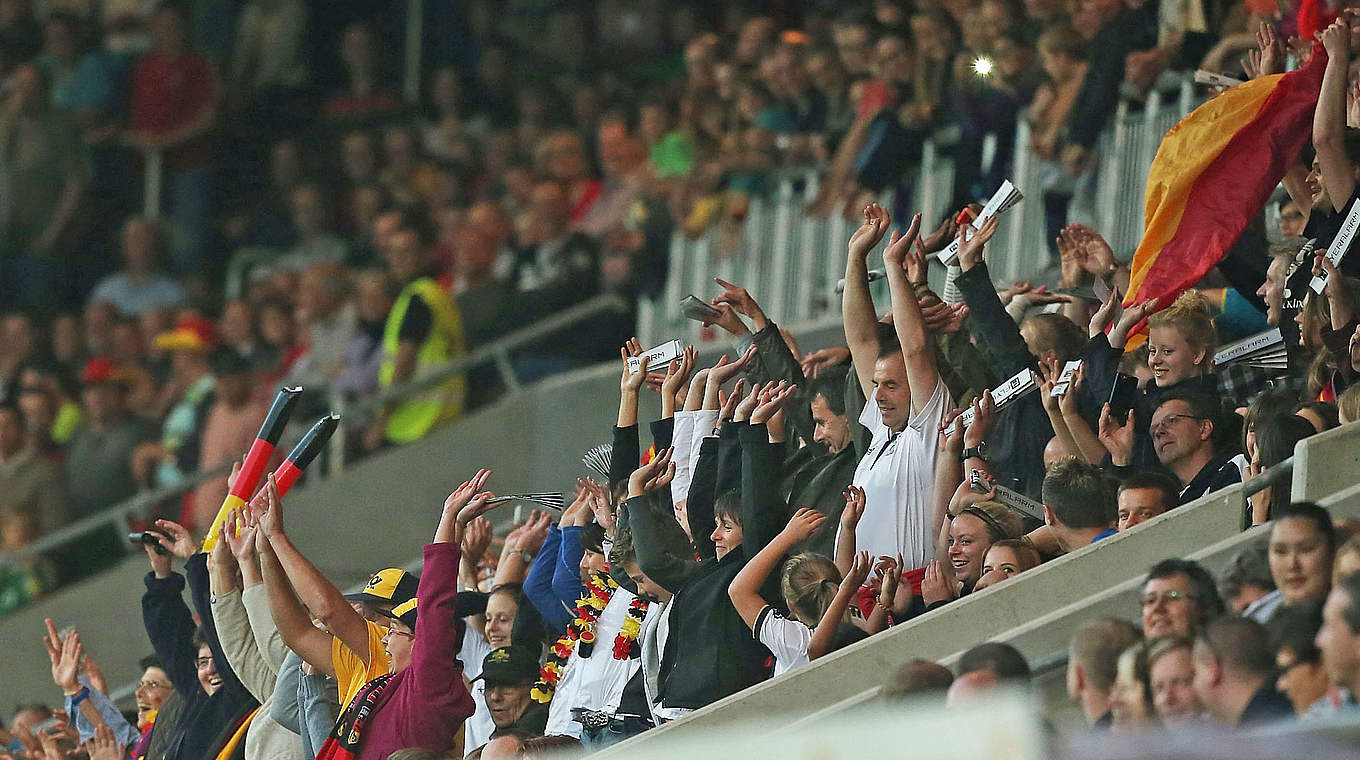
x=538, y=583
x=845, y=537
x=653, y=537
x=626, y=449
x=852, y=579
x=745, y=588
x=230, y=618
x=1329, y=119
x=290, y=618
x=315, y=591
x=917, y=351
x=857, y=304
x=170, y=625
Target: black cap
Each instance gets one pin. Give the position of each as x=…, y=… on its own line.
x=511, y=666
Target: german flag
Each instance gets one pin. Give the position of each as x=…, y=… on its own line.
x=1214, y=172
x=256, y=459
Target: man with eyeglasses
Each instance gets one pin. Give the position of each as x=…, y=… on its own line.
x=1185, y=436
x=1179, y=597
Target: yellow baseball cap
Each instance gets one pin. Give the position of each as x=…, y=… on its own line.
x=406, y=613
x=391, y=586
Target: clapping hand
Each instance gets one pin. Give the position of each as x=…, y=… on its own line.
x=802, y=525
x=854, y=507
x=972, y=241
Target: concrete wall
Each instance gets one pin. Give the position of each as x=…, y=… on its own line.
x=1326, y=463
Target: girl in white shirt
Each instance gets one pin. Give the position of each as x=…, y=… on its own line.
x=811, y=586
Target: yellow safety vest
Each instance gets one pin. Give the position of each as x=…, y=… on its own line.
x=413, y=418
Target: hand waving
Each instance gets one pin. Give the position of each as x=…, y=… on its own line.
x=802, y=525
x=876, y=221
x=652, y=476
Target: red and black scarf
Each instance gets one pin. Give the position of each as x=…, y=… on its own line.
x=348, y=734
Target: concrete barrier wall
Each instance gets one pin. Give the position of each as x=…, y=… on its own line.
x=1326, y=463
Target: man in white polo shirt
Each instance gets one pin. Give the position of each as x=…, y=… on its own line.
x=907, y=401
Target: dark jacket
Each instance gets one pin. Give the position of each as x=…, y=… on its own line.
x=1022, y=430
x=710, y=652
x=206, y=721
x=1266, y=706
x=1100, y=361
x=1098, y=97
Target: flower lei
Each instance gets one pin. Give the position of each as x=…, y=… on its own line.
x=626, y=645
x=599, y=589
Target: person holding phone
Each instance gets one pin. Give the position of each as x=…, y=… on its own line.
x=1181, y=342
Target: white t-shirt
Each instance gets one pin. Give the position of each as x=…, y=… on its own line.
x=786, y=639
x=897, y=474
x=480, y=726
x=595, y=682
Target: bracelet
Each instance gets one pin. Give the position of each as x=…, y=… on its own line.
x=79, y=696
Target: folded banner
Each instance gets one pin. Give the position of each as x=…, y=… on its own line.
x=256, y=459
x=1213, y=173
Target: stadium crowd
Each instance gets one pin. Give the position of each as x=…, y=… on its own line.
x=788, y=505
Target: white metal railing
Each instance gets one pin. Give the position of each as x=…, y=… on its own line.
x=791, y=260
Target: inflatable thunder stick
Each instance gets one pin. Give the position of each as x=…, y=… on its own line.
x=256, y=459
x=304, y=452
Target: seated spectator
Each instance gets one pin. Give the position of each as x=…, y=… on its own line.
x=316, y=241
x=363, y=355
x=983, y=669
x=1179, y=598
x=365, y=96
x=1143, y=496
x=21, y=580
x=1339, y=639
x=1131, y=696
x=1275, y=442
x=1005, y=559
x=1092, y=665
x=1347, y=558
x=1171, y=677
x=509, y=673
x=1187, y=439
x=97, y=469
x=1079, y=504
x=1234, y=674
x=1302, y=547
x=229, y=427
x=328, y=320
x=188, y=396
x=1302, y=677
x=918, y=678
x=30, y=483
x=1246, y=584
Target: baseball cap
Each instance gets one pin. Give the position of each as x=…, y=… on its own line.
x=102, y=369
x=405, y=612
x=190, y=334
x=390, y=586
x=512, y=665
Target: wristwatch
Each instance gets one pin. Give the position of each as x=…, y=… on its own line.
x=979, y=451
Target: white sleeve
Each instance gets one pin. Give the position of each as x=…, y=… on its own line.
x=927, y=421
x=704, y=422
x=681, y=435
x=786, y=639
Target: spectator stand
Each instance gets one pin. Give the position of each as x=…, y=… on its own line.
x=1037, y=613
x=792, y=260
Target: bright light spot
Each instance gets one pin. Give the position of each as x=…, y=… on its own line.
x=982, y=66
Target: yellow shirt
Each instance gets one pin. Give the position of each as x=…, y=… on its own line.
x=350, y=672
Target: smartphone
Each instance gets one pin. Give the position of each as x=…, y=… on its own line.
x=698, y=310
x=148, y=538
x=978, y=482
x=1122, y=396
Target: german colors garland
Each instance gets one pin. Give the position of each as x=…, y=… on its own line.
x=600, y=589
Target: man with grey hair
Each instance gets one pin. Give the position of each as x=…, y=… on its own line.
x=1247, y=586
